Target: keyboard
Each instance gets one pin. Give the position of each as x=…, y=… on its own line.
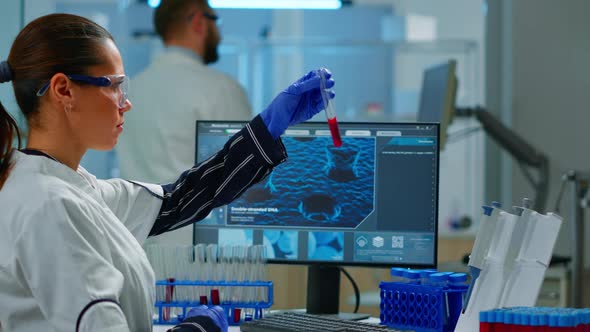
x=298, y=321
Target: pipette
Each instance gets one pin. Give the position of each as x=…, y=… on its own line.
x=330, y=112
x=481, y=246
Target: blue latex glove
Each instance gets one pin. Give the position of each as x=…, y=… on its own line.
x=216, y=313
x=298, y=103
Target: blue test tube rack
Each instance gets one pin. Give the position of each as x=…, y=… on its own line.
x=227, y=306
x=420, y=308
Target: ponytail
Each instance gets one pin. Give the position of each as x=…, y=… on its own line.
x=8, y=129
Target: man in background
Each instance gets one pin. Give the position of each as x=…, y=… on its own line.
x=177, y=88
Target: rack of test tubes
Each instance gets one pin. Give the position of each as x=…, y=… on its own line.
x=535, y=319
x=422, y=300
x=233, y=277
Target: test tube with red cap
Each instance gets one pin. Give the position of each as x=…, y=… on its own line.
x=329, y=108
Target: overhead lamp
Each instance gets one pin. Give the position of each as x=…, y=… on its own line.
x=153, y=3
x=276, y=4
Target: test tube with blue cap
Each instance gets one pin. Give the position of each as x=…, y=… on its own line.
x=412, y=276
x=440, y=279
x=424, y=274
x=447, y=273
x=458, y=281
x=329, y=108
x=397, y=274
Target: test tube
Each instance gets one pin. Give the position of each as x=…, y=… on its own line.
x=458, y=281
x=184, y=257
x=211, y=266
x=201, y=269
x=424, y=274
x=330, y=112
x=440, y=279
x=241, y=255
x=262, y=276
x=170, y=268
x=412, y=276
x=397, y=274
x=250, y=267
x=225, y=257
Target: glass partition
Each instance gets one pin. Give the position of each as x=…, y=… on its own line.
x=376, y=80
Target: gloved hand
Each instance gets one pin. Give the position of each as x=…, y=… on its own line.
x=298, y=103
x=216, y=313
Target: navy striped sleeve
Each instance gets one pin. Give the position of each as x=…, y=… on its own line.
x=247, y=158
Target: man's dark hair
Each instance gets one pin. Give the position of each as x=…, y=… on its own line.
x=171, y=14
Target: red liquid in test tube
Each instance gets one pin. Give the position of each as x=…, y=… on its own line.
x=215, y=297
x=169, y=298
x=333, y=123
x=237, y=315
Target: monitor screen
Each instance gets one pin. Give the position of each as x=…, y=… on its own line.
x=372, y=201
x=437, y=96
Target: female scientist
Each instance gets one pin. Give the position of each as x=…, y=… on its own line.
x=70, y=244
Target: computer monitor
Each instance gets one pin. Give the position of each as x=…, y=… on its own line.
x=371, y=202
x=437, y=96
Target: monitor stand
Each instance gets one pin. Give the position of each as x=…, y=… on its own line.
x=323, y=293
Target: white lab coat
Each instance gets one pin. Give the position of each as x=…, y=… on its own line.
x=158, y=141
x=67, y=239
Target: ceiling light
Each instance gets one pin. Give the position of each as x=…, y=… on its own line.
x=276, y=4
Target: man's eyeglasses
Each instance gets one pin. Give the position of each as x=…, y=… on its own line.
x=119, y=83
x=216, y=19
x=210, y=16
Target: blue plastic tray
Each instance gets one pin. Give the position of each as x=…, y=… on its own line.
x=423, y=308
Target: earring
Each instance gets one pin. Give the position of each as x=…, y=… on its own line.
x=67, y=108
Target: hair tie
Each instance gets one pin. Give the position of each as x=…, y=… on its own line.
x=5, y=72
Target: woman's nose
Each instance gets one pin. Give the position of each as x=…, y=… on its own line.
x=127, y=106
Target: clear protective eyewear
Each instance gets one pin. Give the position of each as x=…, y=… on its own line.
x=119, y=83
x=210, y=16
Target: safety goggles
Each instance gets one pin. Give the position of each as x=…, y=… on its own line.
x=210, y=16
x=118, y=83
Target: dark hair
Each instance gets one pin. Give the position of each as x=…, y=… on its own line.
x=8, y=129
x=171, y=13
x=56, y=43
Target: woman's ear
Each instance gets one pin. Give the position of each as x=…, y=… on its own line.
x=60, y=88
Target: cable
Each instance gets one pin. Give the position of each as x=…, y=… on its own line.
x=357, y=294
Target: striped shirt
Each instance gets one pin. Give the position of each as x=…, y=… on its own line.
x=247, y=158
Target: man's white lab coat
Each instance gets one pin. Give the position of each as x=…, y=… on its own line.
x=158, y=141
